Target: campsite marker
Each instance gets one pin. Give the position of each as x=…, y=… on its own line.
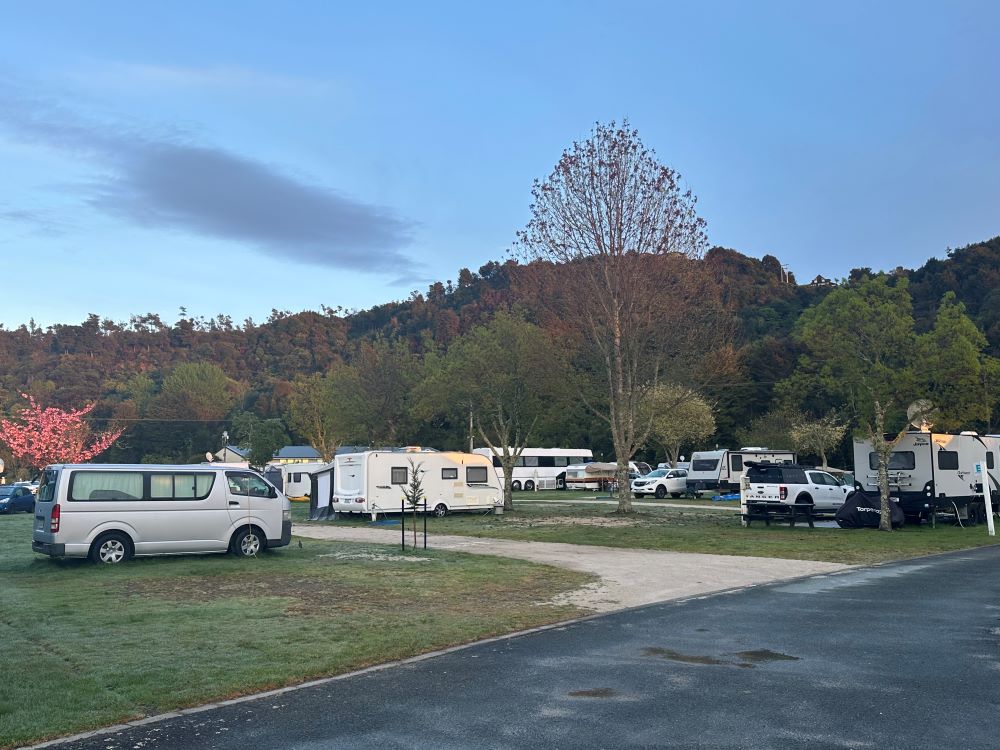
x=986, y=495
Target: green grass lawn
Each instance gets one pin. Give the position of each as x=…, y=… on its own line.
x=86, y=646
x=696, y=530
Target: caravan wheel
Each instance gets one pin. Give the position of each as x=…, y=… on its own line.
x=440, y=510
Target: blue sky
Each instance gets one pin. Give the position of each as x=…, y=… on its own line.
x=234, y=158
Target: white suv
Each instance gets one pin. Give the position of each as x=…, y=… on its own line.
x=660, y=482
x=788, y=484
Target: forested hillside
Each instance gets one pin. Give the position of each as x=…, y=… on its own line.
x=177, y=386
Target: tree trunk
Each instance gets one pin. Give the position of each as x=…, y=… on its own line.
x=884, y=449
x=624, y=488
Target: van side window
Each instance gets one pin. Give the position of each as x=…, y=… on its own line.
x=475, y=474
x=947, y=459
x=399, y=475
x=176, y=486
x=244, y=483
x=451, y=473
x=105, y=485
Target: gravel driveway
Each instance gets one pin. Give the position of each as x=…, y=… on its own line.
x=628, y=577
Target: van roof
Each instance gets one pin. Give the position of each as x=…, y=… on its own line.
x=147, y=467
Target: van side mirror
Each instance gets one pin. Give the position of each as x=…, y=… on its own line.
x=272, y=493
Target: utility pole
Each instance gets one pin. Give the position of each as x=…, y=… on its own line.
x=470, y=427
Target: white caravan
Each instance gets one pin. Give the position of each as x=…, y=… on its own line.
x=932, y=472
x=539, y=468
x=110, y=512
x=296, y=479
x=723, y=469
x=373, y=481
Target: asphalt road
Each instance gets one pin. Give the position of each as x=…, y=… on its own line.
x=905, y=655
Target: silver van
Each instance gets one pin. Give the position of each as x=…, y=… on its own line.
x=110, y=512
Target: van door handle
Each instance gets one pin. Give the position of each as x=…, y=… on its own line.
x=234, y=502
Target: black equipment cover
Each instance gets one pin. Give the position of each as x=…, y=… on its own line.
x=862, y=510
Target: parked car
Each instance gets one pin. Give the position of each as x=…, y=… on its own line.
x=660, y=482
x=16, y=497
x=791, y=484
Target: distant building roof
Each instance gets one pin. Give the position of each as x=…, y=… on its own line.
x=298, y=451
x=227, y=453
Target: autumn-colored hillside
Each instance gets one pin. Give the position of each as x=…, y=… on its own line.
x=137, y=369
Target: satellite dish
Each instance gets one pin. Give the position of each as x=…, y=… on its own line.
x=209, y=456
x=919, y=413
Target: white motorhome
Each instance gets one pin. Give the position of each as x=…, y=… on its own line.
x=110, y=512
x=932, y=472
x=539, y=468
x=723, y=469
x=373, y=481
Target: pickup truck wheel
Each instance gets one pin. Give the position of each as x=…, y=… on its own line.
x=661, y=492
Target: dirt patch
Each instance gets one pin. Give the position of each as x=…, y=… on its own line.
x=764, y=655
x=611, y=522
x=743, y=659
x=669, y=653
x=593, y=693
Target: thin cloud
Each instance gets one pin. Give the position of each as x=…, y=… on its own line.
x=216, y=77
x=167, y=183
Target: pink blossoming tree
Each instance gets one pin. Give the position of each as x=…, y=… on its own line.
x=52, y=436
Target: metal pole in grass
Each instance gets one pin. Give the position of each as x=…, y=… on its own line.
x=425, y=524
x=981, y=470
x=402, y=525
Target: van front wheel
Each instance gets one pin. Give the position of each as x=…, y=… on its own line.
x=111, y=548
x=247, y=542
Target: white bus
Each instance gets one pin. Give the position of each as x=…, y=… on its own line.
x=540, y=468
x=110, y=512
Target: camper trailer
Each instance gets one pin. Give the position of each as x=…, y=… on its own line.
x=373, y=482
x=932, y=472
x=723, y=469
x=296, y=479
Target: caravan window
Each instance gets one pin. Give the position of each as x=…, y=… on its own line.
x=399, y=475
x=704, y=464
x=989, y=460
x=898, y=461
x=948, y=459
x=451, y=473
x=736, y=462
x=475, y=474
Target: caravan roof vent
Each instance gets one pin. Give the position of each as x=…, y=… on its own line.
x=969, y=432
x=755, y=448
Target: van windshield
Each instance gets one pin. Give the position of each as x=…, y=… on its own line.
x=47, y=486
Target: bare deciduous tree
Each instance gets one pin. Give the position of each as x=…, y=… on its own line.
x=621, y=227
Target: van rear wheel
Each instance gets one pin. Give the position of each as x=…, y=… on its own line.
x=111, y=548
x=247, y=542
